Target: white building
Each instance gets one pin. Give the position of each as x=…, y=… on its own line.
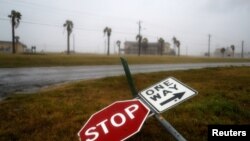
x=151, y=48
x=6, y=47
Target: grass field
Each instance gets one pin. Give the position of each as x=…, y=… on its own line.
x=58, y=113
x=41, y=60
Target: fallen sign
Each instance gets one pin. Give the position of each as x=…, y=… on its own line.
x=116, y=122
x=166, y=94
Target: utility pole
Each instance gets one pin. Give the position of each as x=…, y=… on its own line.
x=139, y=27
x=242, y=49
x=209, y=37
x=139, y=50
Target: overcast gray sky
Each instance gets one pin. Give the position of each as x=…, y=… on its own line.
x=228, y=22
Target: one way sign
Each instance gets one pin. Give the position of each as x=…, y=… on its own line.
x=166, y=94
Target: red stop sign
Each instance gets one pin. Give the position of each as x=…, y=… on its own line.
x=116, y=122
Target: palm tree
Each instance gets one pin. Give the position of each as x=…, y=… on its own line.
x=145, y=44
x=178, y=43
x=118, y=43
x=139, y=38
x=15, y=17
x=161, y=42
x=17, y=38
x=233, y=49
x=108, y=31
x=69, y=27
x=223, y=50
x=174, y=41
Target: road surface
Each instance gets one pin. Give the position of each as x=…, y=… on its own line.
x=14, y=80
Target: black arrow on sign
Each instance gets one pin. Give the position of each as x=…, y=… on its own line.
x=177, y=95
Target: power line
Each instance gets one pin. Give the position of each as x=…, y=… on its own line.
x=29, y=22
x=77, y=28
x=71, y=11
x=4, y=19
x=44, y=24
x=90, y=14
x=84, y=29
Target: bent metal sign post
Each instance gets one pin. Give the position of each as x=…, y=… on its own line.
x=122, y=119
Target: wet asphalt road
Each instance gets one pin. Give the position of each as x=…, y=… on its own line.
x=31, y=79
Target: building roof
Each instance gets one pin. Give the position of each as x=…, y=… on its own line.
x=149, y=43
x=5, y=42
x=10, y=42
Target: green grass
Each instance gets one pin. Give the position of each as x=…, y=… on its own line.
x=58, y=113
x=42, y=60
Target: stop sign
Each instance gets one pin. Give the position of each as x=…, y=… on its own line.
x=116, y=122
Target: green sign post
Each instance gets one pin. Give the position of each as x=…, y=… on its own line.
x=159, y=117
x=129, y=77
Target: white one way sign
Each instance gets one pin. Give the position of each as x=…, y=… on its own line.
x=166, y=94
